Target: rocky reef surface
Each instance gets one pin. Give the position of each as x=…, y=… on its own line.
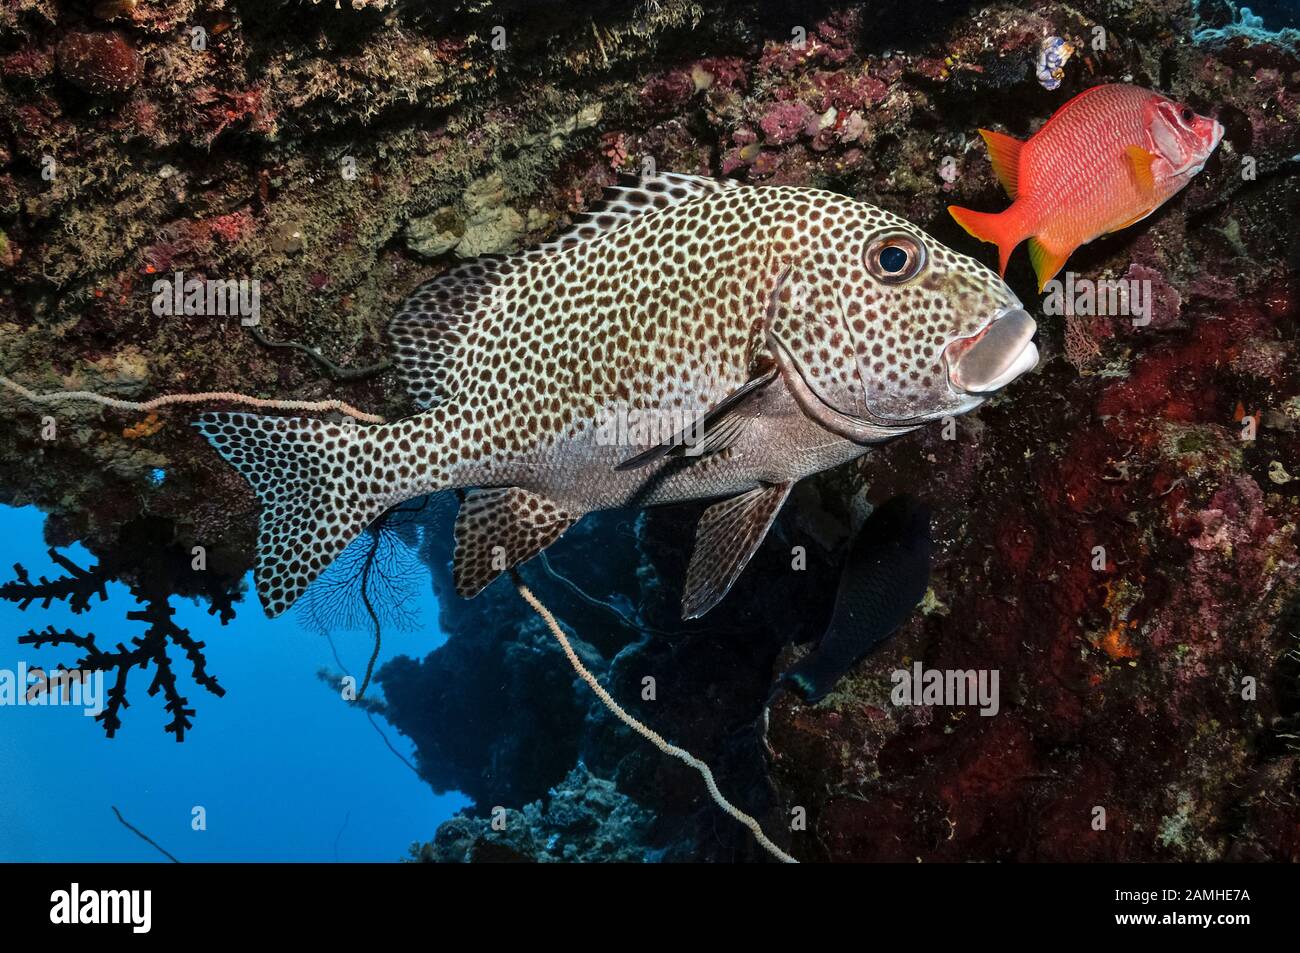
x=340, y=156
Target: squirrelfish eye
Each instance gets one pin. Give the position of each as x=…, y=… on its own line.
x=895, y=258
x=1188, y=115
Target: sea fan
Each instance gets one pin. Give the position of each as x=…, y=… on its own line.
x=373, y=585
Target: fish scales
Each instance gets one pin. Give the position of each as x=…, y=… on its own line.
x=768, y=332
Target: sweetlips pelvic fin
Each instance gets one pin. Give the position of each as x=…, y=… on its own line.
x=728, y=535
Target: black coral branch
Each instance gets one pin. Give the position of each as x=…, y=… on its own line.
x=149, y=570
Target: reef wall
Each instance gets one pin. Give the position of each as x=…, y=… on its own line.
x=340, y=156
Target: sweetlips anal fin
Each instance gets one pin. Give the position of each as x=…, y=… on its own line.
x=715, y=431
x=498, y=528
x=728, y=535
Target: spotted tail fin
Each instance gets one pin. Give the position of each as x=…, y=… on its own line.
x=320, y=485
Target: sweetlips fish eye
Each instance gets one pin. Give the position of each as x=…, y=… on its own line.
x=895, y=257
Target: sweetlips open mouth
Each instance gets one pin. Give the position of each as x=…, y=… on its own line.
x=996, y=356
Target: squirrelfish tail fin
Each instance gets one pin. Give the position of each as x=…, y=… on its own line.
x=320, y=485
x=1000, y=228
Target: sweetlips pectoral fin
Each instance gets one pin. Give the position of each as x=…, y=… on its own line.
x=716, y=430
x=728, y=535
x=496, y=529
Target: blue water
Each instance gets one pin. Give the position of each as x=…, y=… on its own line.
x=284, y=769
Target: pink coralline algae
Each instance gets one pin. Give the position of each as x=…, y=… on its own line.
x=1166, y=303
x=614, y=147
x=101, y=63
x=830, y=41
x=844, y=90
x=27, y=64
x=667, y=90
x=720, y=72
x=232, y=227
x=784, y=122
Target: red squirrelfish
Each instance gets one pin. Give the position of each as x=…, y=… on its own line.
x=1108, y=158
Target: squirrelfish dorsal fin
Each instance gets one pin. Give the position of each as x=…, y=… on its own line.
x=1004, y=154
x=637, y=196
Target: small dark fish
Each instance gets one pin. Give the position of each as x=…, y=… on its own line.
x=885, y=576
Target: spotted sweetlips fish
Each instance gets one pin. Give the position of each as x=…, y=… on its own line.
x=779, y=330
x=1105, y=160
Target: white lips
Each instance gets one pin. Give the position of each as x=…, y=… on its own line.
x=1024, y=362
x=996, y=356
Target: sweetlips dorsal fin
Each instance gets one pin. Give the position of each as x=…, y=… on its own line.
x=433, y=320
x=728, y=535
x=498, y=528
x=634, y=197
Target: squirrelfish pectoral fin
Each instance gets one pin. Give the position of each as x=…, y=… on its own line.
x=498, y=528
x=1045, y=261
x=716, y=430
x=728, y=535
x=1004, y=154
x=1139, y=161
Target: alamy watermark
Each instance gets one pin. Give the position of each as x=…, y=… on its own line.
x=133, y=908
x=62, y=687
x=621, y=425
x=946, y=687
x=212, y=297
x=1106, y=297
